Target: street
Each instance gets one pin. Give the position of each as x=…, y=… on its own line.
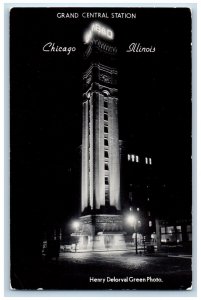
x=113, y=270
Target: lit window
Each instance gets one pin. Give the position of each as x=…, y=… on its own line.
x=148, y=199
x=133, y=157
x=179, y=238
x=189, y=232
x=150, y=161
x=138, y=209
x=150, y=223
x=137, y=158
x=170, y=229
x=188, y=228
x=129, y=157
x=146, y=160
x=162, y=229
x=189, y=236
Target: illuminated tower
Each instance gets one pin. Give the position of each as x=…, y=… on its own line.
x=101, y=219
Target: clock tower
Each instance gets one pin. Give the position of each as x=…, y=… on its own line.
x=101, y=220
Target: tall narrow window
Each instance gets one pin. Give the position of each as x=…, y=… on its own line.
x=106, y=180
x=137, y=158
x=133, y=157
x=105, y=142
x=106, y=167
x=129, y=157
x=106, y=154
x=105, y=117
x=105, y=129
x=146, y=160
x=107, y=197
x=105, y=104
x=150, y=161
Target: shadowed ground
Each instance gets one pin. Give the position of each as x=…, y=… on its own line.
x=107, y=270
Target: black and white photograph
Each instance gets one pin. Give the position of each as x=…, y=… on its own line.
x=101, y=148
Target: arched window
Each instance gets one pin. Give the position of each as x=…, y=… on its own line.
x=106, y=93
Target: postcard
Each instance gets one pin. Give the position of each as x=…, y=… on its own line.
x=100, y=148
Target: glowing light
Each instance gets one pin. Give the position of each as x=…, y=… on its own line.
x=99, y=29
x=131, y=219
x=76, y=225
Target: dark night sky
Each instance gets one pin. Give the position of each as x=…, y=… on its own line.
x=45, y=107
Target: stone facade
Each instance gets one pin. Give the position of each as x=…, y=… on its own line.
x=100, y=193
x=100, y=140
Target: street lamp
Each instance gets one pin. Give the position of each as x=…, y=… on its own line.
x=76, y=225
x=131, y=219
